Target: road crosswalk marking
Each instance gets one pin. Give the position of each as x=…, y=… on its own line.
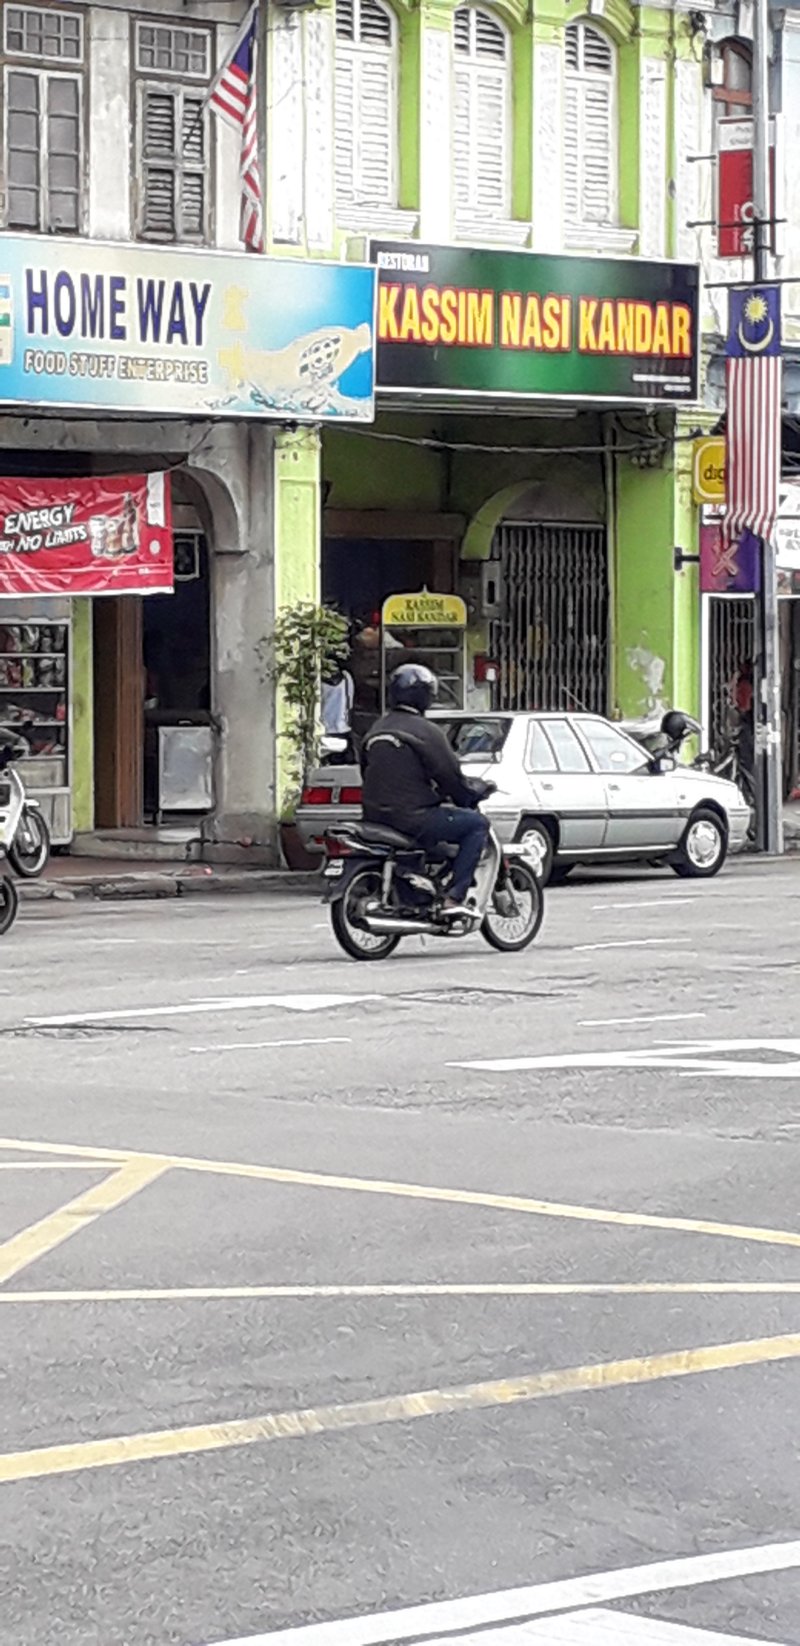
x=191, y=1008
x=597, y=1628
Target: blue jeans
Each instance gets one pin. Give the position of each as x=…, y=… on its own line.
x=455, y=826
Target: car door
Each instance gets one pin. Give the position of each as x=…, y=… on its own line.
x=642, y=804
x=565, y=784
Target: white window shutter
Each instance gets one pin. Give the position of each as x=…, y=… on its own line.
x=462, y=145
x=590, y=192
x=480, y=114
x=598, y=202
x=344, y=146
x=490, y=142
x=572, y=152
x=366, y=104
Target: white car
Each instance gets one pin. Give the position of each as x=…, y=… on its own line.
x=576, y=789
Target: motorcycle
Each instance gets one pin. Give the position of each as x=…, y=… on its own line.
x=382, y=886
x=28, y=848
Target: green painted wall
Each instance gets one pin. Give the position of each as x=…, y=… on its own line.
x=657, y=635
x=82, y=718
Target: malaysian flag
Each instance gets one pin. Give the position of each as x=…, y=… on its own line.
x=234, y=96
x=753, y=438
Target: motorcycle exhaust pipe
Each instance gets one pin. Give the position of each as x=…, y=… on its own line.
x=382, y=925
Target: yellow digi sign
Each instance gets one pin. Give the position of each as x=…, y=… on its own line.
x=708, y=470
x=424, y=611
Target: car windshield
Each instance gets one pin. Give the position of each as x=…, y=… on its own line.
x=476, y=738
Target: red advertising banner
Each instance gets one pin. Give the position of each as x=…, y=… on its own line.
x=105, y=535
x=735, y=188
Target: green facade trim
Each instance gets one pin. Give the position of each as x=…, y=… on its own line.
x=82, y=717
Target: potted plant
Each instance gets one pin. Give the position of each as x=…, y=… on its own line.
x=310, y=642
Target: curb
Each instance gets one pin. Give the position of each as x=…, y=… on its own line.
x=149, y=887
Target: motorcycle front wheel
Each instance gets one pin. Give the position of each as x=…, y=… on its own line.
x=512, y=932
x=347, y=919
x=30, y=851
x=9, y=904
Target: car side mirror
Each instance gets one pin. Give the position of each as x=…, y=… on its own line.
x=663, y=763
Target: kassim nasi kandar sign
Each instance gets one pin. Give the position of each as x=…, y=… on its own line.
x=480, y=323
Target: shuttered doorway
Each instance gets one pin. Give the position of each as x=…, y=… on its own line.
x=550, y=637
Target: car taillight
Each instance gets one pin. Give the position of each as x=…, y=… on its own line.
x=350, y=797
x=316, y=797
x=336, y=848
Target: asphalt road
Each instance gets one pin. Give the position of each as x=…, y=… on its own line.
x=329, y=1290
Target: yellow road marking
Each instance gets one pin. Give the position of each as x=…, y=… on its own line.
x=423, y=1191
x=522, y=1288
x=58, y=1226
x=362, y=1414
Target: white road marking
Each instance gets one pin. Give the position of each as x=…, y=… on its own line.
x=601, y=1628
x=434, y=1619
x=231, y=1003
x=613, y=1022
x=485, y=1289
x=50, y=1165
x=654, y=903
x=266, y=1045
x=693, y=1060
x=631, y=943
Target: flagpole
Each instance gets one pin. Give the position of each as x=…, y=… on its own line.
x=767, y=704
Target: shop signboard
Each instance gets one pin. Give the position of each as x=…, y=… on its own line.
x=488, y=325
x=735, y=187
x=104, y=535
x=95, y=326
x=424, y=611
x=708, y=469
x=728, y=567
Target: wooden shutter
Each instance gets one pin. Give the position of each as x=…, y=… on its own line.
x=589, y=122
x=345, y=156
x=174, y=177
x=480, y=117
x=366, y=105
x=375, y=119
x=159, y=208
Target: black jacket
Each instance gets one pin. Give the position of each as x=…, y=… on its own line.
x=408, y=766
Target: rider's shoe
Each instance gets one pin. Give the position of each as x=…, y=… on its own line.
x=455, y=911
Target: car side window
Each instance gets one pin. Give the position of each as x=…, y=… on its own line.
x=611, y=750
x=569, y=754
x=539, y=756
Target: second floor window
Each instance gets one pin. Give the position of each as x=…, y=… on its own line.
x=366, y=103
x=43, y=153
x=590, y=136
x=481, y=119
x=173, y=72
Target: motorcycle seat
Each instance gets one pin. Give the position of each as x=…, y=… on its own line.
x=377, y=835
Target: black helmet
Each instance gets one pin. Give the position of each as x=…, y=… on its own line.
x=412, y=686
x=676, y=726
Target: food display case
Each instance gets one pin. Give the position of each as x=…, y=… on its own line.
x=36, y=703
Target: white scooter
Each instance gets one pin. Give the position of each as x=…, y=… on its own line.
x=28, y=848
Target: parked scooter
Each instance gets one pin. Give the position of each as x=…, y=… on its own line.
x=12, y=801
x=382, y=886
x=28, y=848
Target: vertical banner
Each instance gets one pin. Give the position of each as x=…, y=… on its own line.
x=753, y=432
x=735, y=187
x=105, y=535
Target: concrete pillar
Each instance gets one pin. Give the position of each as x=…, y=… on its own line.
x=109, y=37
x=547, y=202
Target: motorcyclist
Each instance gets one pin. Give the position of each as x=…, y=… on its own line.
x=412, y=780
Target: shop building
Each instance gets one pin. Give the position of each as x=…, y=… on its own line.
x=137, y=338
x=554, y=131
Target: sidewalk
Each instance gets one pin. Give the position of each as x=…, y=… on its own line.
x=68, y=878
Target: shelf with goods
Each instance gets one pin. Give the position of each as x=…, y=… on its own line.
x=35, y=705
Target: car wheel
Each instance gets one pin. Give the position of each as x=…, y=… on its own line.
x=537, y=841
x=704, y=846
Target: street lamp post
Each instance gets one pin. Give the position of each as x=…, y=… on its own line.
x=767, y=707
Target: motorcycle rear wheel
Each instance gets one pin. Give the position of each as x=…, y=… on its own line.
x=510, y=933
x=9, y=904
x=30, y=851
x=347, y=919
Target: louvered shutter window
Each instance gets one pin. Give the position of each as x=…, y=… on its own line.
x=173, y=149
x=366, y=103
x=481, y=118
x=590, y=182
